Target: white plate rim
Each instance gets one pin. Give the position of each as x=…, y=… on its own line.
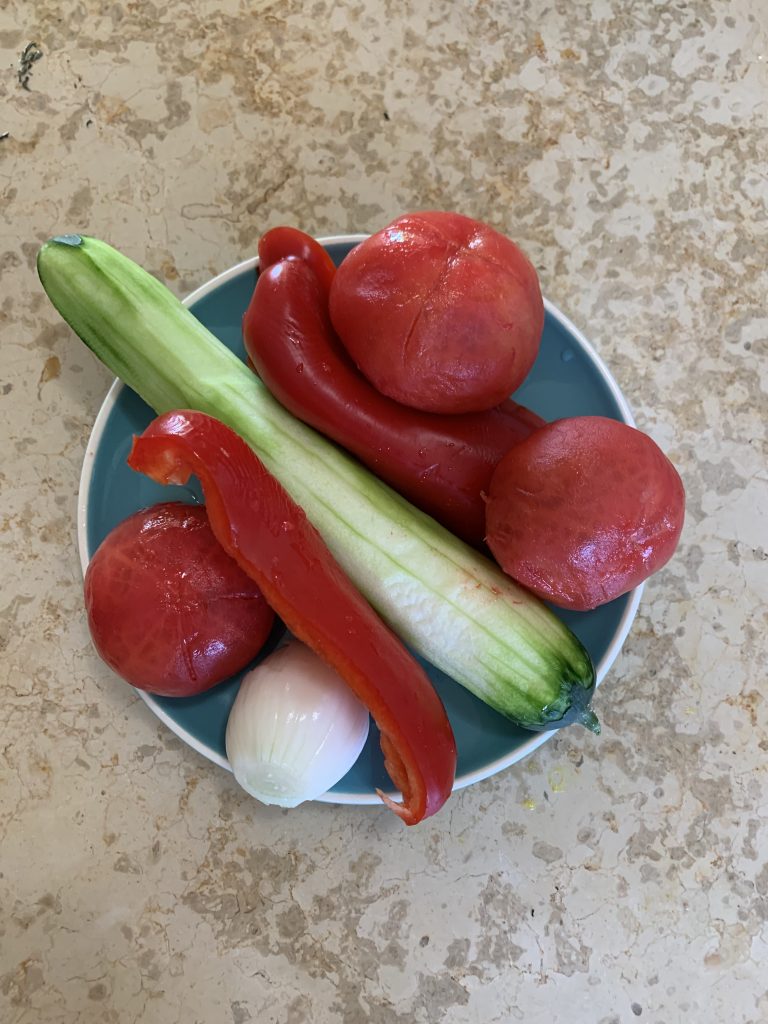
x=356, y=799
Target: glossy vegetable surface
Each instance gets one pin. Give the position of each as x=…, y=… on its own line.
x=440, y=312
x=584, y=510
x=443, y=464
x=168, y=609
x=452, y=606
x=283, y=242
x=262, y=528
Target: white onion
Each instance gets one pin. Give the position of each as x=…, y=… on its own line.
x=295, y=728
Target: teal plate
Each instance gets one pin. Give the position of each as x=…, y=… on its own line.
x=568, y=379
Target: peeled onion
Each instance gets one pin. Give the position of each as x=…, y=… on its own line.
x=295, y=728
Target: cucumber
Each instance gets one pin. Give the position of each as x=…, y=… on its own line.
x=449, y=603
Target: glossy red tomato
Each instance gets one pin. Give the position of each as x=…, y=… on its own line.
x=584, y=510
x=440, y=312
x=168, y=609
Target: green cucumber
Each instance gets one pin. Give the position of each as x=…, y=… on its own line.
x=449, y=603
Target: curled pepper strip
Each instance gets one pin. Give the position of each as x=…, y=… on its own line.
x=268, y=534
x=443, y=464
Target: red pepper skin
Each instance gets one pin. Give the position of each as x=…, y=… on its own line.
x=442, y=464
x=269, y=536
x=280, y=243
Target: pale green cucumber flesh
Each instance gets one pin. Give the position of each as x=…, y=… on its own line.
x=453, y=606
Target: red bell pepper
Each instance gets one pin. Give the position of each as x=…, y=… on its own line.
x=280, y=243
x=442, y=464
x=261, y=527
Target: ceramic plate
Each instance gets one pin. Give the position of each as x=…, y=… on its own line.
x=568, y=379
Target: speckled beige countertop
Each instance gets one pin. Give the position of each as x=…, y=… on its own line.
x=624, y=145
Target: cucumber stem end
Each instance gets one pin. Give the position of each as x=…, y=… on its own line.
x=590, y=721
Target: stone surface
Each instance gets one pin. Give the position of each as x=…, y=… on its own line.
x=624, y=146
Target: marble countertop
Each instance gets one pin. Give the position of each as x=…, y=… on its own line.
x=602, y=880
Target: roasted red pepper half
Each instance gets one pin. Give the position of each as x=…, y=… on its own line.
x=442, y=464
x=269, y=536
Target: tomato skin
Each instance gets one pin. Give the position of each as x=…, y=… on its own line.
x=168, y=609
x=440, y=312
x=584, y=510
x=259, y=524
x=443, y=464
